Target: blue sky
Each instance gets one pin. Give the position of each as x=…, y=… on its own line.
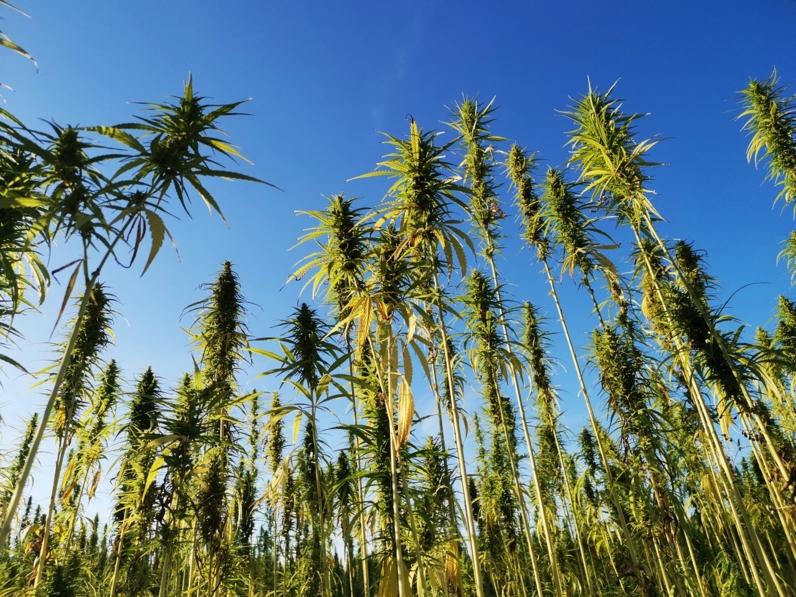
x=324, y=78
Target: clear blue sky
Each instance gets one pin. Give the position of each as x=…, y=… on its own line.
x=325, y=77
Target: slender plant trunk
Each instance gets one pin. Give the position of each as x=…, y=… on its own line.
x=276, y=551
x=531, y=453
x=390, y=406
x=457, y=435
x=45, y=542
x=321, y=504
x=91, y=281
x=450, y=497
x=165, y=573
x=45, y=418
x=363, y=542
x=421, y=570
x=118, y=565
x=593, y=420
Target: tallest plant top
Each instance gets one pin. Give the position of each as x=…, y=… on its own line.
x=422, y=197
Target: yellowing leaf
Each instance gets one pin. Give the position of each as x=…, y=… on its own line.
x=388, y=584
x=452, y=570
x=323, y=384
x=296, y=426
x=406, y=412
x=407, y=357
x=410, y=333
x=153, y=473
x=92, y=488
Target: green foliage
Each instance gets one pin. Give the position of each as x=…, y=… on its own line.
x=682, y=484
x=610, y=160
x=520, y=168
x=771, y=123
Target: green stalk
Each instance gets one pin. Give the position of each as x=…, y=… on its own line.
x=536, y=374
x=421, y=569
x=531, y=453
x=165, y=570
x=457, y=436
x=321, y=506
x=534, y=235
x=360, y=489
x=593, y=420
x=276, y=553
x=118, y=564
x=92, y=337
x=389, y=374
x=48, y=520
x=472, y=123
x=446, y=465
x=479, y=304
x=45, y=417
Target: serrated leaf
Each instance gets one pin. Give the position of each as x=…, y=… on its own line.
x=423, y=362
x=157, y=230
x=67, y=292
x=119, y=135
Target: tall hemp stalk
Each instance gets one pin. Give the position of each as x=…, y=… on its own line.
x=422, y=200
x=135, y=507
x=84, y=472
x=274, y=461
x=186, y=427
x=567, y=228
x=341, y=264
x=93, y=336
x=625, y=372
x=489, y=363
x=534, y=343
x=385, y=301
x=304, y=364
x=472, y=123
x=220, y=336
x=519, y=167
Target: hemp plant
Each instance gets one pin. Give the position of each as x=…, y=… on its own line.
x=104, y=201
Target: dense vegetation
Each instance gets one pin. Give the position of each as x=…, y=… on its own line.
x=215, y=495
